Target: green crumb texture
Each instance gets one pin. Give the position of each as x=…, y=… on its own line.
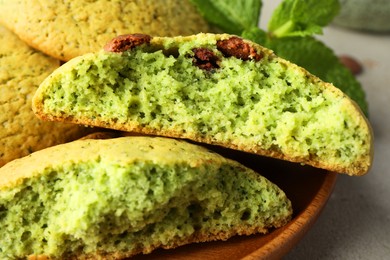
x=269, y=107
x=130, y=195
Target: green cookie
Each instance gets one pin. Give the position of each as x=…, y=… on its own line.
x=66, y=29
x=22, y=69
x=217, y=89
x=113, y=198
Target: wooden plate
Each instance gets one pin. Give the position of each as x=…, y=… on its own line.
x=308, y=188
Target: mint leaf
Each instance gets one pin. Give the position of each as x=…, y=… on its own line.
x=233, y=16
x=321, y=61
x=302, y=17
x=254, y=34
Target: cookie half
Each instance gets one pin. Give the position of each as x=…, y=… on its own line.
x=212, y=88
x=113, y=198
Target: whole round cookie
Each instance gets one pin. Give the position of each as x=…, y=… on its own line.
x=21, y=71
x=70, y=28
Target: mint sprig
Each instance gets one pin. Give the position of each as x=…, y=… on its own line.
x=232, y=16
x=302, y=17
x=291, y=31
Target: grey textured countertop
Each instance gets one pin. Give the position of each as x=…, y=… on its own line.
x=355, y=224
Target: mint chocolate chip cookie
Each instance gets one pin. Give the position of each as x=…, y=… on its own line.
x=113, y=198
x=212, y=88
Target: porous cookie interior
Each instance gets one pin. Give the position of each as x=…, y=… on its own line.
x=164, y=88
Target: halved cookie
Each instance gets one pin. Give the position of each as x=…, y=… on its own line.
x=113, y=198
x=216, y=89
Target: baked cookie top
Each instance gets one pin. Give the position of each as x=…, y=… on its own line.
x=22, y=69
x=70, y=28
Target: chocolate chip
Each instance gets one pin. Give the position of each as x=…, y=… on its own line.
x=236, y=47
x=205, y=59
x=125, y=42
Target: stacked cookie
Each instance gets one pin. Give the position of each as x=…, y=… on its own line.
x=21, y=71
x=211, y=88
x=72, y=28
x=113, y=198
